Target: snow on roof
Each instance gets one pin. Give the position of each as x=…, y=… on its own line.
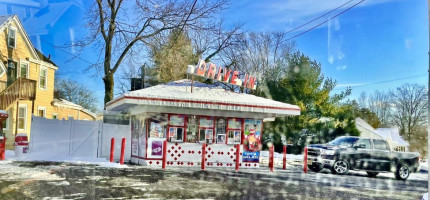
x=64, y=103
x=3, y=112
x=393, y=134
x=204, y=96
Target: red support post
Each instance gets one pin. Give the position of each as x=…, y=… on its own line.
x=305, y=162
x=271, y=150
x=284, y=160
x=203, y=156
x=163, y=165
x=112, y=148
x=237, y=156
x=121, y=159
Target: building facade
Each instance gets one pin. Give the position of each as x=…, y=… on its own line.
x=27, y=83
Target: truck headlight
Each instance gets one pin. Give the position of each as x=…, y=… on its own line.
x=328, y=152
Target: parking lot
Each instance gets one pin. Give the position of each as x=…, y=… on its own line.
x=41, y=180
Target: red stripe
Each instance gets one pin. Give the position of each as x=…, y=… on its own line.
x=205, y=102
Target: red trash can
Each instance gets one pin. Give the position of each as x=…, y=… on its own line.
x=21, y=144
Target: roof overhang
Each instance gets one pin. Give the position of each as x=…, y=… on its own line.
x=136, y=105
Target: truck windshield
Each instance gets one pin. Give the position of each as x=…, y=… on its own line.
x=343, y=141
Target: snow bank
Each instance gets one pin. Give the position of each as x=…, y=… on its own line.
x=102, y=162
x=265, y=154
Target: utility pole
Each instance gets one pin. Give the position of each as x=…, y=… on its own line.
x=142, y=76
x=428, y=101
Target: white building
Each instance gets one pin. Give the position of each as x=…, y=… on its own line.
x=392, y=135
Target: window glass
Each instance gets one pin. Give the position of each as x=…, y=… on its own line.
x=192, y=128
x=220, y=126
x=22, y=112
x=41, y=112
x=42, y=79
x=158, y=126
x=363, y=142
x=380, y=145
x=23, y=70
x=11, y=37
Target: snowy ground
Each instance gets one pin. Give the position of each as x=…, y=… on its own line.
x=67, y=178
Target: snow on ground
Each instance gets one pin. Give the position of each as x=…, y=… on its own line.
x=424, y=166
x=292, y=159
x=102, y=162
x=425, y=196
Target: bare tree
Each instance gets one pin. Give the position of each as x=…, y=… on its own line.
x=74, y=92
x=380, y=103
x=410, y=108
x=121, y=28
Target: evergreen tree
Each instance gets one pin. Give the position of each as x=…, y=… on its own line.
x=172, y=58
x=322, y=118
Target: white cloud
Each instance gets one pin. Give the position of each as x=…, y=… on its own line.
x=342, y=67
x=343, y=85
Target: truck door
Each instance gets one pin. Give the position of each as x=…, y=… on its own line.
x=361, y=157
x=381, y=155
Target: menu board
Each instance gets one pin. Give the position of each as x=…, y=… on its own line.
x=206, y=122
x=177, y=120
x=234, y=123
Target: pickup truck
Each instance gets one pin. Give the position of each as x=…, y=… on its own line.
x=357, y=153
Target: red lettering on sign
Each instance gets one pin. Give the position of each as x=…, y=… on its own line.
x=234, y=77
x=251, y=82
x=246, y=80
x=218, y=77
x=211, y=71
x=201, y=68
x=227, y=75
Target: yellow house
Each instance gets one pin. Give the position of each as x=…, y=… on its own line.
x=27, y=83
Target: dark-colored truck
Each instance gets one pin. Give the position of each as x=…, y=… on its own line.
x=356, y=153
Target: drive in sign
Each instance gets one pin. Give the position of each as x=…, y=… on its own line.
x=222, y=74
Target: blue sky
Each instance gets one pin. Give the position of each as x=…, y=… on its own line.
x=375, y=41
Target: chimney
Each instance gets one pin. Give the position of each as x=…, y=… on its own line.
x=49, y=56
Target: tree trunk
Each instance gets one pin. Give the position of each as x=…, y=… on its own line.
x=109, y=84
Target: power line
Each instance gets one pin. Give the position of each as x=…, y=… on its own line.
x=318, y=17
x=386, y=81
x=324, y=21
x=59, y=48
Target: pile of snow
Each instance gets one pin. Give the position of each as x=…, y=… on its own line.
x=424, y=165
x=425, y=196
x=50, y=157
x=264, y=154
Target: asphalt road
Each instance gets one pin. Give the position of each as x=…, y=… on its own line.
x=20, y=180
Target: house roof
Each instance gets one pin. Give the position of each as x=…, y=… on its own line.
x=64, y=103
x=366, y=129
x=177, y=95
x=44, y=58
x=393, y=134
x=4, y=21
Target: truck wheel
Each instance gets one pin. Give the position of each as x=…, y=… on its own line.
x=402, y=172
x=315, y=168
x=340, y=167
x=372, y=174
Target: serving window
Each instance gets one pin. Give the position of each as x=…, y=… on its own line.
x=192, y=129
x=158, y=126
x=234, y=131
x=206, y=130
x=177, y=124
x=220, y=130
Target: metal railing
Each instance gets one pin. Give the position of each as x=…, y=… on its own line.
x=21, y=89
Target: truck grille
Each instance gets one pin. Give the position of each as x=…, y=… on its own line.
x=314, y=152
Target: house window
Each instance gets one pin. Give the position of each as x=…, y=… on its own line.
x=23, y=70
x=43, y=78
x=41, y=111
x=22, y=117
x=5, y=123
x=11, y=37
x=54, y=115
